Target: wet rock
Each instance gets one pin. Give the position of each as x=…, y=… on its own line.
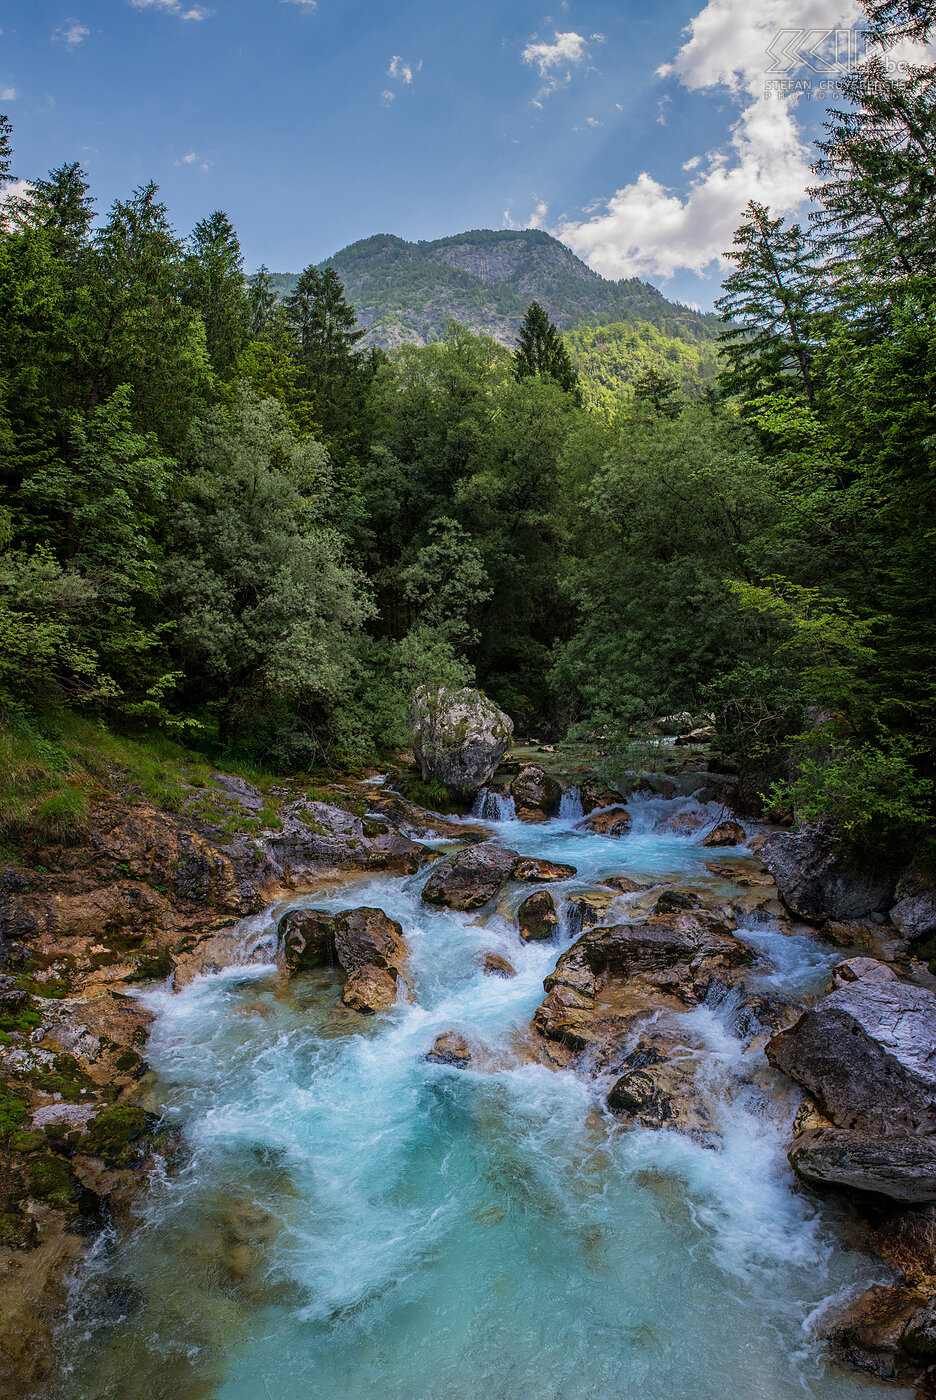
x=919, y=1336
x=872, y=939
x=658, y=1087
x=595, y=793
x=901, y=1166
x=865, y=1053
x=369, y=989
x=240, y=791
x=536, y=796
x=818, y=881
x=541, y=872
x=685, y=823
x=493, y=965
x=450, y=1048
x=867, y=1336
x=581, y=913
x=305, y=939
x=915, y=917
x=623, y=884
x=725, y=834
x=459, y=737
x=537, y=917
x=610, y=821
x=470, y=878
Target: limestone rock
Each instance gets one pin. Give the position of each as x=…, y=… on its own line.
x=658, y=1087
x=319, y=835
x=470, y=878
x=541, y=872
x=868, y=1335
x=915, y=916
x=818, y=882
x=305, y=938
x=369, y=989
x=725, y=834
x=367, y=945
x=855, y=969
x=919, y=1337
x=537, y=917
x=536, y=796
x=450, y=1048
x=866, y=1054
x=901, y=1166
x=493, y=965
x=608, y=821
x=623, y=884
x=459, y=737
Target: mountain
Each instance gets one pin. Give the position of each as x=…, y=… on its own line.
x=486, y=280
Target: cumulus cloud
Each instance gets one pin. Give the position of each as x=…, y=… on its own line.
x=71, y=34
x=307, y=5
x=567, y=48
x=174, y=7
x=647, y=229
x=9, y=94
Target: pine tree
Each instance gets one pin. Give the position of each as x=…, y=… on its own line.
x=61, y=206
x=214, y=278
x=262, y=297
x=332, y=371
x=660, y=391
x=771, y=301
x=540, y=351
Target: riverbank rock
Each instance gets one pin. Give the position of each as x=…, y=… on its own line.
x=537, y=917
x=450, y=1048
x=459, y=737
x=493, y=965
x=818, y=881
x=725, y=834
x=623, y=884
x=867, y=1336
x=320, y=836
x=915, y=917
x=541, y=872
x=901, y=1165
x=470, y=878
x=367, y=945
x=608, y=821
x=536, y=796
x=866, y=1054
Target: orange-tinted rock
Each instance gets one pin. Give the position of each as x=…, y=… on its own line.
x=450, y=1049
x=613, y=821
x=541, y=872
x=494, y=965
x=537, y=917
x=725, y=834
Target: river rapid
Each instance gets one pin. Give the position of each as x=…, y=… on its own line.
x=347, y=1221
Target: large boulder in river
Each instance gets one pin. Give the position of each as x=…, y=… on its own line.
x=867, y=1054
x=366, y=944
x=470, y=878
x=541, y=872
x=459, y=737
x=537, y=917
x=536, y=796
x=450, y=1048
x=915, y=916
x=607, y=821
x=817, y=879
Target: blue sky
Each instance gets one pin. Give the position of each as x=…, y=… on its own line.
x=635, y=132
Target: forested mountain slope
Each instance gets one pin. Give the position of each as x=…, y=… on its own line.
x=485, y=280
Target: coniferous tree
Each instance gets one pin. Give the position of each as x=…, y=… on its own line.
x=660, y=391
x=333, y=372
x=540, y=351
x=262, y=297
x=214, y=277
x=771, y=301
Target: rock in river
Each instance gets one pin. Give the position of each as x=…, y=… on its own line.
x=367, y=945
x=541, y=872
x=459, y=737
x=537, y=917
x=608, y=821
x=725, y=834
x=901, y=1166
x=536, y=796
x=450, y=1048
x=468, y=879
x=493, y=965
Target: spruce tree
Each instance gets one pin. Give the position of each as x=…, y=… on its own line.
x=771, y=301
x=540, y=351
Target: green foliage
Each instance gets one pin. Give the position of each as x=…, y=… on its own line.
x=540, y=351
x=114, y=1133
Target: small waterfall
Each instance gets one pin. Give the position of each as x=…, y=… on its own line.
x=494, y=805
x=570, y=805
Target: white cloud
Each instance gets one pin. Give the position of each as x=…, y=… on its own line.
x=568, y=48
x=193, y=158
x=647, y=229
x=9, y=94
x=71, y=33
x=306, y=5
x=401, y=72
x=174, y=7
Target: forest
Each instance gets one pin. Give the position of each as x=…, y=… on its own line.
x=225, y=523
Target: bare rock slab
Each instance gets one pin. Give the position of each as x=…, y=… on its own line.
x=470, y=878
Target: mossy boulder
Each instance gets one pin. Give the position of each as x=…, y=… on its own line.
x=115, y=1133
x=459, y=737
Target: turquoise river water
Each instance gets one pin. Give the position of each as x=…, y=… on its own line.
x=349, y=1222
